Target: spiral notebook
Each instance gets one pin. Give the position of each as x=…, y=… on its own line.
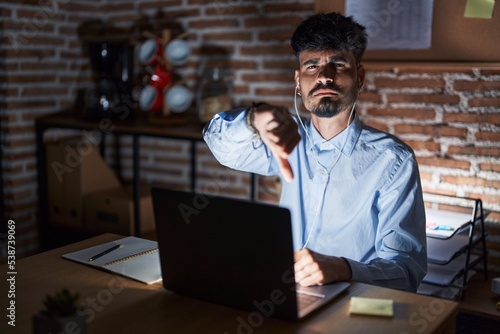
x=131, y=257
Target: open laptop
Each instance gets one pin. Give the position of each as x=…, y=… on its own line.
x=232, y=252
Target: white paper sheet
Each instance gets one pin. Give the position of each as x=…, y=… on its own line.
x=394, y=24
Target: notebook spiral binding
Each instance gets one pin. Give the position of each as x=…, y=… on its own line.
x=133, y=256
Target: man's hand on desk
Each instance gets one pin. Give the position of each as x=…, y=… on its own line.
x=312, y=268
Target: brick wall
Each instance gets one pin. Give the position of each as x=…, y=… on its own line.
x=447, y=113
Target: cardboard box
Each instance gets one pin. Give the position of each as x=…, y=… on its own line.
x=113, y=211
x=75, y=168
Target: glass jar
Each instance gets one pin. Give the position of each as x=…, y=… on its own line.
x=214, y=93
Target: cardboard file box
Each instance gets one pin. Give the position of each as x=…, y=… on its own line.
x=113, y=211
x=75, y=168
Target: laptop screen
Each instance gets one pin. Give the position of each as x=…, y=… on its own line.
x=227, y=251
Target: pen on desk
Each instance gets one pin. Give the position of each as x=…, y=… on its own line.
x=95, y=257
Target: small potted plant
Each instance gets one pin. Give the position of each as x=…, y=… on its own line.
x=61, y=315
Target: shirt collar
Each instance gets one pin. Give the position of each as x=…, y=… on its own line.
x=344, y=141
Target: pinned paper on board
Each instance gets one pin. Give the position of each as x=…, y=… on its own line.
x=403, y=24
x=479, y=9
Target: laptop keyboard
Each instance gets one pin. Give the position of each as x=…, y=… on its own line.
x=305, y=298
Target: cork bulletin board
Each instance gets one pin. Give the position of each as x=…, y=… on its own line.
x=454, y=37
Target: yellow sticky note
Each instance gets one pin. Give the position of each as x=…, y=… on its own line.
x=371, y=306
x=481, y=9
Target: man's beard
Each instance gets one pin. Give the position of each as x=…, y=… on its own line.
x=328, y=107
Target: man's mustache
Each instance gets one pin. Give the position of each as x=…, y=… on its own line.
x=329, y=86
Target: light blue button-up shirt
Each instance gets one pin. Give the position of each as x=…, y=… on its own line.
x=356, y=196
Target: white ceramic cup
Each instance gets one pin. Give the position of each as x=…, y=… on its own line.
x=177, y=52
x=150, y=98
x=178, y=98
x=149, y=52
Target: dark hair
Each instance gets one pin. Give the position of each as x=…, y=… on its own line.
x=331, y=31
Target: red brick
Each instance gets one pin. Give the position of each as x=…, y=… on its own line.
x=432, y=130
x=486, y=198
x=369, y=97
x=271, y=22
x=268, y=77
x=160, y=4
x=274, y=91
x=45, y=91
x=266, y=50
x=474, y=151
x=377, y=125
x=421, y=114
x=426, y=176
x=409, y=83
x=484, y=102
x=5, y=12
x=227, y=36
x=24, y=2
x=438, y=191
x=490, y=167
x=455, y=208
x=423, y=98
x=482, y=86
x=289, y=64
x=471, y=181
x=433, y=68
x=30, y=104
x=290, y=8
x=222, y=50
x=116, y=7
x=225, y=8
x=241, y=89
x=418, y=145
x=204, y=24
x=23, y=53
x=45, y=66
x=277, y=35
x=444, y=162
x=19, y=195
x=488, y=136
x=471, y=118
x=13, y=129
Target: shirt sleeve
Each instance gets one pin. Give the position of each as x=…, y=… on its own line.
x=401, y=241
x=236, y=146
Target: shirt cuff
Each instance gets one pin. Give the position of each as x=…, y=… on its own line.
x=236, y=125
x=358, y=271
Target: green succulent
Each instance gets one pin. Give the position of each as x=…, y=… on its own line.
x=62, y=303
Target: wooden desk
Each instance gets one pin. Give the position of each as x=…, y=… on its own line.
x=119, y=305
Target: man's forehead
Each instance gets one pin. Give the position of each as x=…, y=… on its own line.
x=307, y=55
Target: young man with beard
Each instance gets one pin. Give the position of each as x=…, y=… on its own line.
x=354, y=192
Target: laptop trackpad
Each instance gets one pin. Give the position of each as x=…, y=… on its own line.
x=310, y=297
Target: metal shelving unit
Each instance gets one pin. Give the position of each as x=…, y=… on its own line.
x=455, y=249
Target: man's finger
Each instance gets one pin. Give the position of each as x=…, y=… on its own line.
x=286, y=169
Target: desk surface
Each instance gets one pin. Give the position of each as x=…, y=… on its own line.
x=117, y=304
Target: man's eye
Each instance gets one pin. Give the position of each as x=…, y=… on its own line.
x=311, y=67
x=339, y=65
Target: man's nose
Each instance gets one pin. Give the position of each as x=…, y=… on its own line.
x=326, y=74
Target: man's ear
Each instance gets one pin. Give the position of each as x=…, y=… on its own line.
x=297, y=81
x=361, y=76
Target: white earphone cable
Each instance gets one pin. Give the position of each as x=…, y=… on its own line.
x=311, y=142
